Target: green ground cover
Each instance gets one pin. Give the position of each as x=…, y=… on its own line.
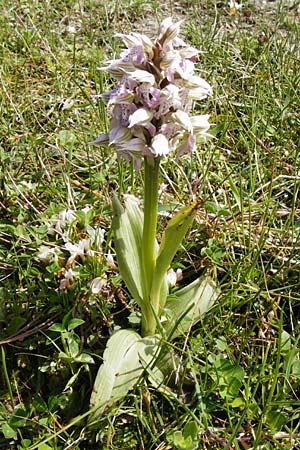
x=238, y=379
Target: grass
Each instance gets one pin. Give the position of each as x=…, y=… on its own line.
x=239, y=383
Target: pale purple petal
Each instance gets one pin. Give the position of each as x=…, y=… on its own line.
x=118, y=135
x=188, y=146
x=151, y=128
x=103, y=138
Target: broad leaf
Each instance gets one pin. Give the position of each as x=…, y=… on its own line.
x=161, y=364
x=122, y=367
x=188, y=305
x=128, y=229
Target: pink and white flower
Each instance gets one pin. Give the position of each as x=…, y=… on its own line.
x=151, y=105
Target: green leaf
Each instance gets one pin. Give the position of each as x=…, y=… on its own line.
x=66, y=137
x=45, y=447
x=84, y=358
x=128, y=229
x=182, y=442
x=228, y=376
x=9, y=433
x=56, y=327
x=72, y=379
x=157, y=368
x=179, y=440
x=188, y=305
x=19, y=417
x=276, y=420
x=190, y=429
x=124, y=360
x=296, y=368
x=173, y=235
x=74, y=323
x=119, y=371
x=238, y=402
x=285, y=342
x=170, y=242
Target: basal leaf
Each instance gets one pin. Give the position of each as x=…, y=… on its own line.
x=188, y=305
x=123, y=364
x=120, y=362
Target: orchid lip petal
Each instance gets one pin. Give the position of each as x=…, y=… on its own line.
x=160, y=145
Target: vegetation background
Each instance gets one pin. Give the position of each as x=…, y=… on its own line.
x=239, y=384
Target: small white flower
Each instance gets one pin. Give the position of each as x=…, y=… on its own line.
x=234, y=6
x=46, y=254
x=69, y=274
x=79, y=249
x=110, y=261
x=97, y=285
x=96, y=237
x=86, y=209
x=67, y=216
x=66, y=281
x=173, y=277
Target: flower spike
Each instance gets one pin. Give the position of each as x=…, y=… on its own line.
x=151, y=104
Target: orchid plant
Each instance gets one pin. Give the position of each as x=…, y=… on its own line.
x=150, y=109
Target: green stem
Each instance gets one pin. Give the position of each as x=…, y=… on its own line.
x=149, y=240
x=6, y=376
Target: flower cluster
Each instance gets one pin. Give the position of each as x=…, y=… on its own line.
x=69, y=224
x=151, y=103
